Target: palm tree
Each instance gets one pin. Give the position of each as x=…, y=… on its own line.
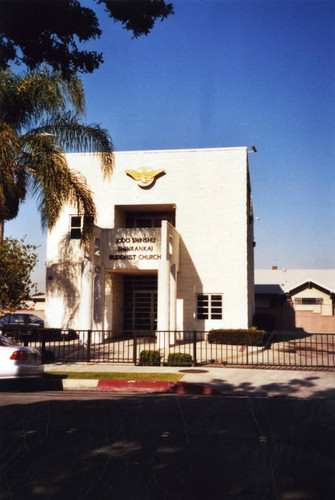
x=40, y=119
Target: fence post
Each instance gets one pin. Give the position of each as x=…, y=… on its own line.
x=42, y=340
x=25, y=337
x=134, y=348
x=89, y=332
x=194, y=348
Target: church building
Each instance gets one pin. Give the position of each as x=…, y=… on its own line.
x=172, y=247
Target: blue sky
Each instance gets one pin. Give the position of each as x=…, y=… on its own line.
x=223, y=73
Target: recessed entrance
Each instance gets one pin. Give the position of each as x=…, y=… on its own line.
x=140, y=302
x=145, y=310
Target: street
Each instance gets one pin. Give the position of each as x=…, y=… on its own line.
x=88, y=445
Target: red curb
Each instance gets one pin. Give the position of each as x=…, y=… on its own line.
x=152, y=386
x=135, y=386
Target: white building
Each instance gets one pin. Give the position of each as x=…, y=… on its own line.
x=172, y=249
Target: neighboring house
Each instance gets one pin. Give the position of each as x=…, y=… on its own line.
x=296, y=298
x=38, y=300
x=172, y=248
x=36, y=303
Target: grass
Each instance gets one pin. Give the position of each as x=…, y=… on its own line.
x=171, y=377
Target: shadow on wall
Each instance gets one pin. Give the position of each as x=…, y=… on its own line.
x=62, y=278
x=279, y=315
x=276, y=312
x=98, y=297
x=188, y=287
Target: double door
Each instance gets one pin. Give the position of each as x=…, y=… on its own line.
x=140, y=302
x=145, y=310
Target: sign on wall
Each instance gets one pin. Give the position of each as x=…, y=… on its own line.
x=134, y=248
x=145, y=176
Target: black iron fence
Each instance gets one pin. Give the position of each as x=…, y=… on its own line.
x=283, y=349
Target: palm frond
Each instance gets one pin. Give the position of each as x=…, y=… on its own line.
x=74, y=136
x=54, y=183
x=29, y=96
x=40, y=116
x=13, y=181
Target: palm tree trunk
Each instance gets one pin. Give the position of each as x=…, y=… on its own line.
x=2, y=225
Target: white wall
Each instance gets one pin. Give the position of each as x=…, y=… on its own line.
x=209, y=190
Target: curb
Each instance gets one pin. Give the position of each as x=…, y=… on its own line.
x=112, y=385
x=141, y=386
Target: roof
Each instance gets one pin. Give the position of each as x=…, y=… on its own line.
x=268, y=289
x=289, y=279
x=159, y=151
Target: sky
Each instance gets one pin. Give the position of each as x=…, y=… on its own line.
x=229, y=73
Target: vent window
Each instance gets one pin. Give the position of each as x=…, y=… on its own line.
x=304, y=301
x=76, y=227
x=209, y=306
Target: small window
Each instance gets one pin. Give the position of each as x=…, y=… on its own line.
x=209, y=306
x=149, y=219
x=76, y=226
x=308, y=301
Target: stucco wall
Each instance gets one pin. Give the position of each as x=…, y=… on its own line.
x=209, y=191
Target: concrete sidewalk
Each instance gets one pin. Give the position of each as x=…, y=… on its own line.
x=207, y=380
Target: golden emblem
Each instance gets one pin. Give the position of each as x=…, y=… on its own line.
x=145, y=176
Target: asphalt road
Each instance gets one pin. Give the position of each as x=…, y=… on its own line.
x=89, y=445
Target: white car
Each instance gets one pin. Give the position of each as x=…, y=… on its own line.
x=18, y=361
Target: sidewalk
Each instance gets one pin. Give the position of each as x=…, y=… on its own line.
x=207, y=380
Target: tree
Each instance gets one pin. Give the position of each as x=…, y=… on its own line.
x=48, y=32
x=17, y=260
x=40, y=117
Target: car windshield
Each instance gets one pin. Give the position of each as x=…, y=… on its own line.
x=4, y=341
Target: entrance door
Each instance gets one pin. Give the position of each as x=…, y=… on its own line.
x=139, y=302
x=145, y=310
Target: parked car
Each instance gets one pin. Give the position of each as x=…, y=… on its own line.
x=18, y=361
x=20, y=322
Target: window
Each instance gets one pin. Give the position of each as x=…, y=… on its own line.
x=308, y=301
x=76, y=226
x=16, y=319
x=209, y=306
x=148, y=219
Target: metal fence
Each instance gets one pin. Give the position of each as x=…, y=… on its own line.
x=290, y=349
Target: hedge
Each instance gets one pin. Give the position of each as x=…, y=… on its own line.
x=252, y=337
x=150, y=358
x=179, y=359
x=58, y=334
x=48, y=334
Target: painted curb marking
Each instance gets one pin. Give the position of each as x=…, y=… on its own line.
x=155, y=386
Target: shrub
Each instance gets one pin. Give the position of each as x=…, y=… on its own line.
x=150, y=358
x=55, y=334
x=252, y=337
x=179, y=359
